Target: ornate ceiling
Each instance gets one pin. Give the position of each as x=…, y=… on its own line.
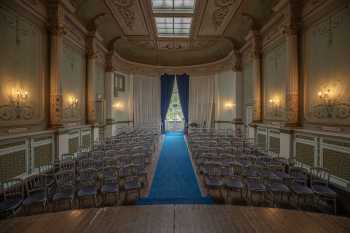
x=217, y=27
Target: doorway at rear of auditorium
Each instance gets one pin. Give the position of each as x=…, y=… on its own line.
x=175, y=118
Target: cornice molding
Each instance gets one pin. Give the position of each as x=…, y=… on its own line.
x=134, y=67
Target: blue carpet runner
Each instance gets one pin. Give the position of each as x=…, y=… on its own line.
x=174, y=181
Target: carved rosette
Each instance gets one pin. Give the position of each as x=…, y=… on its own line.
x=124, y=8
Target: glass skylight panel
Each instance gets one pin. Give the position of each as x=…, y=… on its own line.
x=173, y=26
x=173, y=4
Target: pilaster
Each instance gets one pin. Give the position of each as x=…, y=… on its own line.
x=57, y=31
x=291, y=31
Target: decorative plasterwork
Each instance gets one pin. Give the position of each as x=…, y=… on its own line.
x=134, y=67
x=129, y=14
x=222, y=8
x=216, y=16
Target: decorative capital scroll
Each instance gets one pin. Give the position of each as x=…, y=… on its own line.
x=222, y=8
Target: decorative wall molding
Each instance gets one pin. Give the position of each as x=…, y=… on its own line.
x=221, y=11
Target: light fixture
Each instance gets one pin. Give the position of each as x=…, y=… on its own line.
x=18, y=106
x=275, y=106
x=229, y=105
x=329, y=106
x=72, y=107
x=119, y=105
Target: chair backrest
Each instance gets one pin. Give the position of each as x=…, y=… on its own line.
x=299, y=174
x=85, y=164
x=111, y=153
x=110, y=175
x=88, y=176
x=214, y=170
x=67, y=156
x=319, y=176
x=65, y=179
x=83, y=155
x=35, y=183
x=98, y=154
x=110, y=161
x=46, y=169
x=67, y=165
x=13, y=189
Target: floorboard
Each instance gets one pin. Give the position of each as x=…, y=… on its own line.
x=178, y=219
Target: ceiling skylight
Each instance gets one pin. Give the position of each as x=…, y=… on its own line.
x=173, y=4
x=174, y=26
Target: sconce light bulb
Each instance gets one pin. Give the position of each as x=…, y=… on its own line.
x=320, y=93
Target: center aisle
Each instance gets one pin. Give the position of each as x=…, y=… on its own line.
x=174, y=181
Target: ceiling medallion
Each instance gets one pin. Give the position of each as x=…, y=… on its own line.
x=221, y=11
x=124, y=8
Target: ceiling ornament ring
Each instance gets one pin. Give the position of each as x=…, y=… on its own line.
x=221, y=11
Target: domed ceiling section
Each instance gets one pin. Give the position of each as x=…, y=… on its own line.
x=173, y=32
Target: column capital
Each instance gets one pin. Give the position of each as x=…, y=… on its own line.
x=237, y=63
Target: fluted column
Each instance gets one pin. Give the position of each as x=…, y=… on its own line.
x=292, y=90
x=91, y=79
x=109, y=95
x=56, y=14
x=238, y=95
x=257, y=77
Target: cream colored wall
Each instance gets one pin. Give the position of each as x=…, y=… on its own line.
x=224, y=96
x=23, y=67
x=121, y=104
x=274, y=71
x=326, y=56
x=73, y=79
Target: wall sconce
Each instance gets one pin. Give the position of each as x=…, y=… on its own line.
x=18, y=107
x=329, y=106
x=119, y=106
x=229, y=105
x=72, y=107
x=275, y=106
x=73, y=102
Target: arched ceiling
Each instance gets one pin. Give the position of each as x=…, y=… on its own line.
x=217, y=27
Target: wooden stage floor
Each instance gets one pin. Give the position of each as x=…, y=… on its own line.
x=178, y=219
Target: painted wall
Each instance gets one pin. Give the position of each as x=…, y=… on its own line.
x=326, y=55
x=23, y=68
x=224, y=96
x=122, y=102
x=73, y=67
x=274, y=80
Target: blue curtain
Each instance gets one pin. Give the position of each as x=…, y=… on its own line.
x=166, y=90
x=183, y=83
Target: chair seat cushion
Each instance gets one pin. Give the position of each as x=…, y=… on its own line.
x=301, y=189
x=87, y=191
x=234, y=184
x=256, y=187
x=110, y=188
x=278, y=187
x=282, y=175
x=63, y=195
x=10, y=204
x=323, y=190
x=35, y=197
x=213, y=182
x=132, y=185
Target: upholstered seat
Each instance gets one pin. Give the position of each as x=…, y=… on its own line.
x=35, y=197
x=323, y=190
x=234, y=183
x=10, y=205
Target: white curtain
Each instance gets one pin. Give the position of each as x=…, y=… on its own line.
x=201, y=101
x=146, y=101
